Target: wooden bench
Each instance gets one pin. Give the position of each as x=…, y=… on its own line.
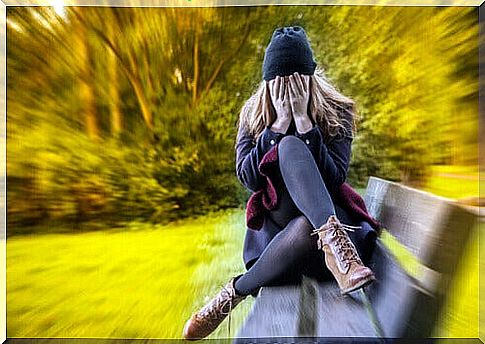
x=399, y=304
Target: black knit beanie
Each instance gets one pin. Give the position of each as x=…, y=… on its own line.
x=288, y=52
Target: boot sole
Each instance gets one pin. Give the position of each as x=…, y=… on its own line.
x=361, y=284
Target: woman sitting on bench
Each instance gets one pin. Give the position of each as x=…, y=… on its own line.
x=292, y=151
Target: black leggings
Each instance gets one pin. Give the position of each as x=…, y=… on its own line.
x=304, y=204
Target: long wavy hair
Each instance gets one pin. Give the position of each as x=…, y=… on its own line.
x=335, y=113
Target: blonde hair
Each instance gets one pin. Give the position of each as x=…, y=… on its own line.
x=334, y=113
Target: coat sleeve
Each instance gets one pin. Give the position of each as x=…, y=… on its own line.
x=332, y=158
x=249, y=154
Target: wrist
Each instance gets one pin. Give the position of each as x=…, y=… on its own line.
x=280, y=126
x=303, y=125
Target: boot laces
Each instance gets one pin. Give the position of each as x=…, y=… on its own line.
x=215, y=309
x=345, y=246
x=347, y=250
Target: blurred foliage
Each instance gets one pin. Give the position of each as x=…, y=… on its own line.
x=120, y=114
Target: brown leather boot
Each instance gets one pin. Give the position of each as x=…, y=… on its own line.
x=341, y=256
x=207, y=319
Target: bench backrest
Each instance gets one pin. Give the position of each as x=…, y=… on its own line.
x=435, y=230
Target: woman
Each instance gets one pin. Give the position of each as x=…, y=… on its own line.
x=293, y=150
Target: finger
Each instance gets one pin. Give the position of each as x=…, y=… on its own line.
x=306, y=84
x=272, y=88
x=288, y=101
x=287, y=92
x=282, y=88
x=277, y=86
x=296, y=91
x=296, y=87
x=298, y=82
x=266, y=90
x=291, y=90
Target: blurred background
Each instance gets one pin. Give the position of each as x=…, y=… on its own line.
x=121, y=125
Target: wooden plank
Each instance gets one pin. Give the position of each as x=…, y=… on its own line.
x=375, y=194
x=311, y=309
x=274, y=313
x=341, y=316
x=402, y=308
x=315, y=309
x=435, y=229
x=451, y=234
x=408, y=214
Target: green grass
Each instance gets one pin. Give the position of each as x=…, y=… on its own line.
x=142, y=283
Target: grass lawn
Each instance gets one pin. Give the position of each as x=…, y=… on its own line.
x=142, y=283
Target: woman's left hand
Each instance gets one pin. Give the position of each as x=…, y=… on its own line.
x=299, y=96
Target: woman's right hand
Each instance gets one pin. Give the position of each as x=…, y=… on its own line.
x=281, y=102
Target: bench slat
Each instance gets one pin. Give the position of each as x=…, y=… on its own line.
x=435, y=229
x=314, y=309
x=310, y=309
x=402, y=307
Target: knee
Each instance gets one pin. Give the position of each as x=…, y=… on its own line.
x=302, y=228
x=290, y=143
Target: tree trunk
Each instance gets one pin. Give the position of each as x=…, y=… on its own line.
x=196, y=67
x=114, y=101
x=86, y=90
x=129, y=71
